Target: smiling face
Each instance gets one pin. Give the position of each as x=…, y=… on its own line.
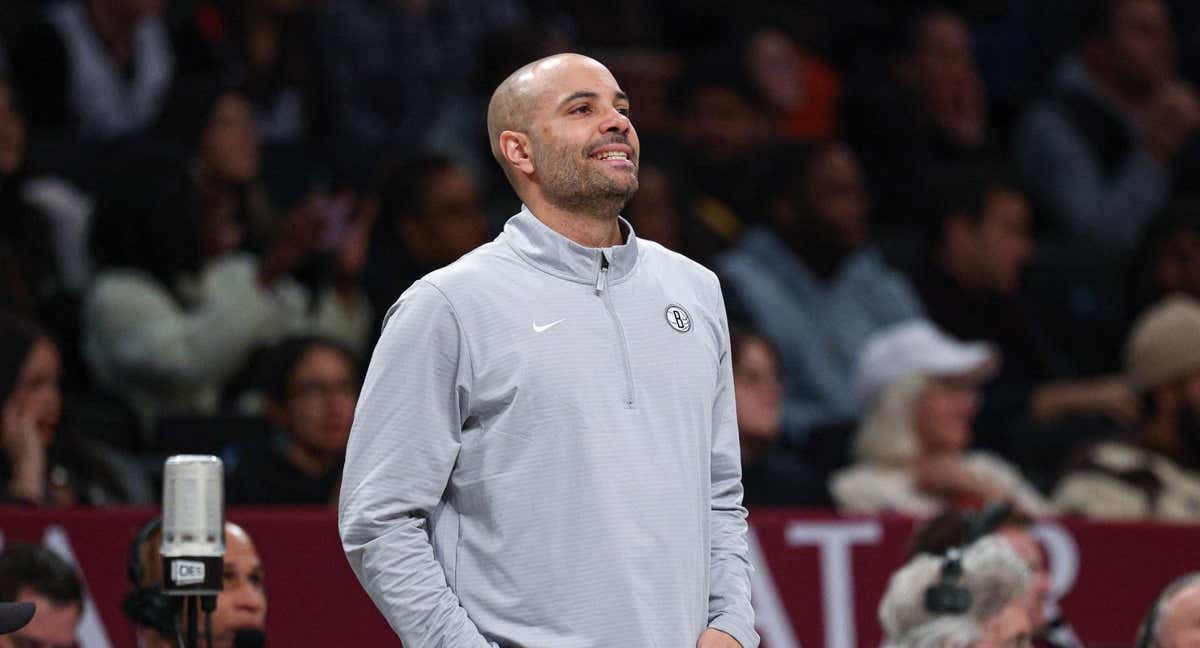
x=561, y=130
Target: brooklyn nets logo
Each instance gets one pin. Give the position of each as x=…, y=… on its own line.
x=679, y=318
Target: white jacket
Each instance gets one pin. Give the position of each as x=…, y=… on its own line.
x=545, y=453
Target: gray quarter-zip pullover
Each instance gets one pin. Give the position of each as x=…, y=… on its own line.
x=545, y=453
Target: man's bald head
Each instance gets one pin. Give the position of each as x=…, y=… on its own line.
x=515, y=101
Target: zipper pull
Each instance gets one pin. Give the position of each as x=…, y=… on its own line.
x=602, y=277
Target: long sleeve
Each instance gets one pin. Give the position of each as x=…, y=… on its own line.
x=1063, y=174
x=729, y=607
x=403, y=445
x=138, y=334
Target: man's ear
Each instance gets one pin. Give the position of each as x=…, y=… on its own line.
x=515, y=149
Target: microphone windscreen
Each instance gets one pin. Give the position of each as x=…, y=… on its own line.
x=249, y=638
x=14, y=616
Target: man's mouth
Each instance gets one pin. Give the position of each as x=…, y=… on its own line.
x=614, y=155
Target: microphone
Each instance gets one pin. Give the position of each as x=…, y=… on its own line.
x=193, y=529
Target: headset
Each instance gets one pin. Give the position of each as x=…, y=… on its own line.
x=947, y=596
x=148, y=606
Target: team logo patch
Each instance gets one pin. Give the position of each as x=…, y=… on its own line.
x=678, y=318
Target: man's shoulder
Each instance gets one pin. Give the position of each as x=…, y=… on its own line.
x=478, y=269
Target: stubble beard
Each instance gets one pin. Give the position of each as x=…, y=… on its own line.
x=569, y=183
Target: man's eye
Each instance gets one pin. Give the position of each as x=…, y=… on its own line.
x=623, y=111
x=581, y=110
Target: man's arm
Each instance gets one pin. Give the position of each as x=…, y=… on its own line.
x=403, y=445
x=729, y=565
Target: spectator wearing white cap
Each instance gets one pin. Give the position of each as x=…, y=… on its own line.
x=921, y=390
x=1154, y=473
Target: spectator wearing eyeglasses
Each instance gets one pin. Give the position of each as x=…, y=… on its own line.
x=311, y=389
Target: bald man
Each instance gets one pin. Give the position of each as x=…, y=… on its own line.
x=1174, y=619
x=545, y=450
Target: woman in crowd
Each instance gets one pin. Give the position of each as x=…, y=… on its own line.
x=772, y=473
x=39, y=464
x=912, y=445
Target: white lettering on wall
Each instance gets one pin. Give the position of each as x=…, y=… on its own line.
x=837, y=577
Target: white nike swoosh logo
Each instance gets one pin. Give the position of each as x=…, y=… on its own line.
x=539, y=329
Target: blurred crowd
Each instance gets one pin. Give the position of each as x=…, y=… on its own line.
x=959, y=242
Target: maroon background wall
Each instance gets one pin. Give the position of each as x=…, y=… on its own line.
x=820, y=576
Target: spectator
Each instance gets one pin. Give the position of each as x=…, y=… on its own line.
x=956, y=528
x=773, y=474
x=1096, y=153
x=1168, y=260
x=29, y=272
x=44, y=262
x=321, y=242
x=800, y=89
x=241, y=613
x=655, y=212
x=312, y=386
x=98, y=69
x=928, y=116
x=167, y=324
x=32, y=409
x=265, y=47
x=1154, y=473
x=393, y=72
x=40, y=463
x=213, y=124
x=811, y=283
x=971, y=285
x=911, y=446
x=1173, y=620
x=33, y=574
x=723, y=134
x=983, y=585
x=429, y=216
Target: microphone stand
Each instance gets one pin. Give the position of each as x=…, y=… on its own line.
x=193, y=623
x=190, y=607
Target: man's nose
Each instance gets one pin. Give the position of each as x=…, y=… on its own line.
x=615, y=122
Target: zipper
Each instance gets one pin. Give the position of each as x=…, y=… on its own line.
x=602, y=291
